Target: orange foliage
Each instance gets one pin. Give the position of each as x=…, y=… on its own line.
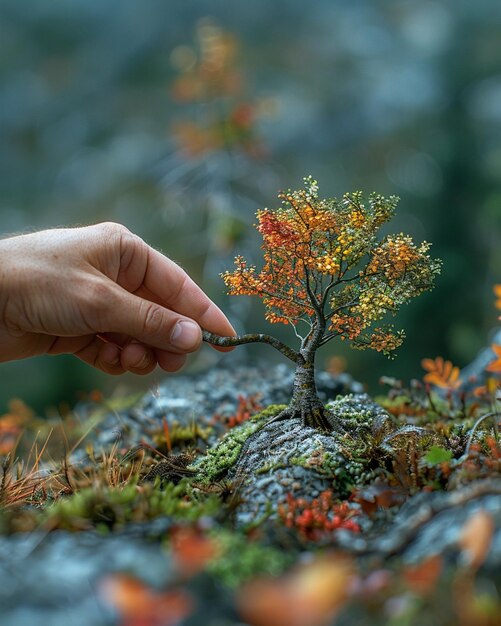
x=191, y=550
x=441, y=373
x=12, y=425
x=209, y=74
x=247, y=407
x=336, y=365
x=476, y=538
x=423, y=577
x=488, y=390
x=495, y=366
x=210, y=70
x=314, y=252
x=138, y=605
x=497, y=293
x=310, y=595
x=376, y=496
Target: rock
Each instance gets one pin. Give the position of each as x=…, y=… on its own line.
x=287, y=450
x=185, y=399
x=55, y=578
x=60, y=574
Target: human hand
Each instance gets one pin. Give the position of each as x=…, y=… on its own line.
x=101, y=293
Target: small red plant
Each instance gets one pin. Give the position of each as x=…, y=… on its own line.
x=314, y=518
x=246, y=408
x=482, y=461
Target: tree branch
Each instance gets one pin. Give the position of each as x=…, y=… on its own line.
x=226, y=342
x=326, y=338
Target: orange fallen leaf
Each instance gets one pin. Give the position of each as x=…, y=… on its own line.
x=423, y=577
x=138, y=605
x=310, y=595
x=191, y=550
x=476, y=538
x=495, y=366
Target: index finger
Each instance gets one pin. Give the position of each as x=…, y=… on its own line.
x=178, y=292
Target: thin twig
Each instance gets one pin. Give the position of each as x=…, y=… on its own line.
x=227, y=342
x=475, y=426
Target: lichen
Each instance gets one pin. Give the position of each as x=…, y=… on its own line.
x=356, y=411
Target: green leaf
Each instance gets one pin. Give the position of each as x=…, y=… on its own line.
x=437, y=455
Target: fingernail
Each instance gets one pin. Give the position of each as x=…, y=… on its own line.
x=185, y=336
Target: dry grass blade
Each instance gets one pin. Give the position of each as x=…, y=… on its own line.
x=21, y=487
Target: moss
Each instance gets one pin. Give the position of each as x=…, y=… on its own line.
x=356, y=411
x=219, y=459
x=268, y=412
x=115, y=507
x=187, y=434
x=269, y=467
x=301, y=461
x=240, y=559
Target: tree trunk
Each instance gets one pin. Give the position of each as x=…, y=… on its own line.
x=305, y=401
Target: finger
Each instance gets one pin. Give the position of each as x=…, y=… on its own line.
x=138, y=359
x=169, y=361
x=177, y=291
x=145, y=293
x=103, y=356
x=119, y=339
x=148, y=323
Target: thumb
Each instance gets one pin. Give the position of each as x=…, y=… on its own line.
x=152, y=324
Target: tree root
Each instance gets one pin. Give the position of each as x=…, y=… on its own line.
x=313, y=416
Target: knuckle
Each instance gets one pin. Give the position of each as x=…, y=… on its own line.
x=116, y=235
x=154, y=322
x=113, y=229
x=112, y=370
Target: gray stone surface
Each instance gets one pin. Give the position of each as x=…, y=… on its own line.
x=186, y=399
x=281, y=458
x=53, y=579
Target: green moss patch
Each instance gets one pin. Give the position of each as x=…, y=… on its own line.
x=219, y=459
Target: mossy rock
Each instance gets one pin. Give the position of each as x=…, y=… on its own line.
x=287, y=457
x=219, y=459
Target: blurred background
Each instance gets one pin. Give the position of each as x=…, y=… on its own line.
x=180, y=119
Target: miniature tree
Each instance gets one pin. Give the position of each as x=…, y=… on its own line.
x=327, y=275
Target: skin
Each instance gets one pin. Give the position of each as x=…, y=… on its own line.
x=101, y=293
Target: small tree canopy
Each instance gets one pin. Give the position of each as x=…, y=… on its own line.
x=324, y=267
